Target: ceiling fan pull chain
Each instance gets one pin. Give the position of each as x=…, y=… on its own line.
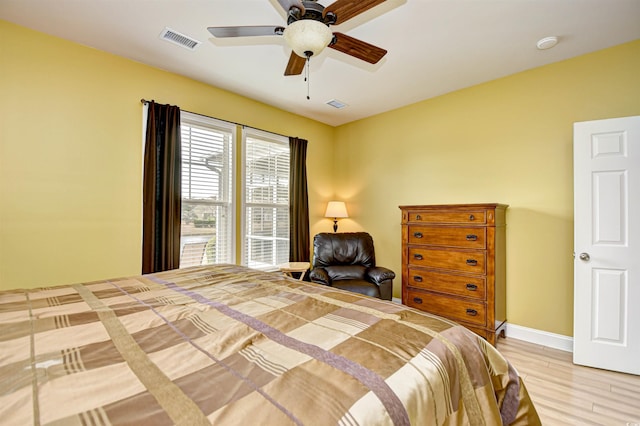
x=307, y=76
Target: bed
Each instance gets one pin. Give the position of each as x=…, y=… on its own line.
x=228, y=345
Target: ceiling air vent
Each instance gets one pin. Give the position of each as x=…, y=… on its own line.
x=336, y=103
x=180, y=39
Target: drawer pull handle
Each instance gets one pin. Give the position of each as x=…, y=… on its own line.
x=472, y=287
x=418, y=217
x=472, y=262
x=417, y=300
x=472, y=312
x=417, y=256
x=472, y=217
x=417, y=234
x=417, y=278
x=472, y=237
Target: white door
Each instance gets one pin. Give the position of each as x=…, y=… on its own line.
x=607, y=244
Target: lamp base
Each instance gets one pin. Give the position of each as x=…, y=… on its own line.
x=335, y=225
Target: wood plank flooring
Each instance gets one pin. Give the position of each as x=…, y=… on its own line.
x=568, y=394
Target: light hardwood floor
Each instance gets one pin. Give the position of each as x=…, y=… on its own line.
x=568, y=394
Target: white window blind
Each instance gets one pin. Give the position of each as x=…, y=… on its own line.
x=266, y=199
x=207, y=191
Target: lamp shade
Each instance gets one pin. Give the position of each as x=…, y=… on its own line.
x=307, y=37
x=336, y=209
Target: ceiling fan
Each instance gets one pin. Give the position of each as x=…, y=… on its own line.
x=308, y=33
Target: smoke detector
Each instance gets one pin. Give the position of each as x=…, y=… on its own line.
x=547, y=42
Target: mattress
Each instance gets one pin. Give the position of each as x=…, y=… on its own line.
x=228, y=345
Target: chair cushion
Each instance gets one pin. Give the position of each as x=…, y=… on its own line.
x=346, y=272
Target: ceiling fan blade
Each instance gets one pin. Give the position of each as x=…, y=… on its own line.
x=295, y=65
x=288, y=4
x=357, y=48
x=250, y=31
x=347, y=9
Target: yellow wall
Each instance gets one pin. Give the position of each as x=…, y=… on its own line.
x=71, y=155
x=507, y=141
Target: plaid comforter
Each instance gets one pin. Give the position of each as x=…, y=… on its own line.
x=227, y=345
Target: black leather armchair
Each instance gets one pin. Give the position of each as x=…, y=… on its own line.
x=347, y=261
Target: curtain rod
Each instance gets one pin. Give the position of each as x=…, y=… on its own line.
x=144, y=101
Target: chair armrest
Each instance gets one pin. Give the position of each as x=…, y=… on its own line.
x=379, y=274
x=319, y=275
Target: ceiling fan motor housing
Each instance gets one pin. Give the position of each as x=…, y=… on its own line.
x=313, y=11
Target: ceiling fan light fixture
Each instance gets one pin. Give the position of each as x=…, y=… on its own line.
x=307, y=37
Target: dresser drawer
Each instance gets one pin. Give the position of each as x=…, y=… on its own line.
x=464, y=261
x=460, y=285
x=474, y=217
x=469, y=237
x=479, y=331
x=453, y=308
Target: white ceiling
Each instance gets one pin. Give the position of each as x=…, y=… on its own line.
x=435, y=46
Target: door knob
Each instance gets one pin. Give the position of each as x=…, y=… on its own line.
x=585, y=257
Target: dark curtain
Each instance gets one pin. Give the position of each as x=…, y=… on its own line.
x=299, y=241
x=161, y=190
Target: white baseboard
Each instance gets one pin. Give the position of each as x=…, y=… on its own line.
x=396, y=300
x=531, y=335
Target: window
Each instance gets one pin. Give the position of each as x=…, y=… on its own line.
x=265, y=202
x=207, y=220
x=208, y=231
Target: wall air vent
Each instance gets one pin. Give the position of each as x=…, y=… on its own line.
x=336, y=103
x=180, y=39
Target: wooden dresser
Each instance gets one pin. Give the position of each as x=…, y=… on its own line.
x=453, y=264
